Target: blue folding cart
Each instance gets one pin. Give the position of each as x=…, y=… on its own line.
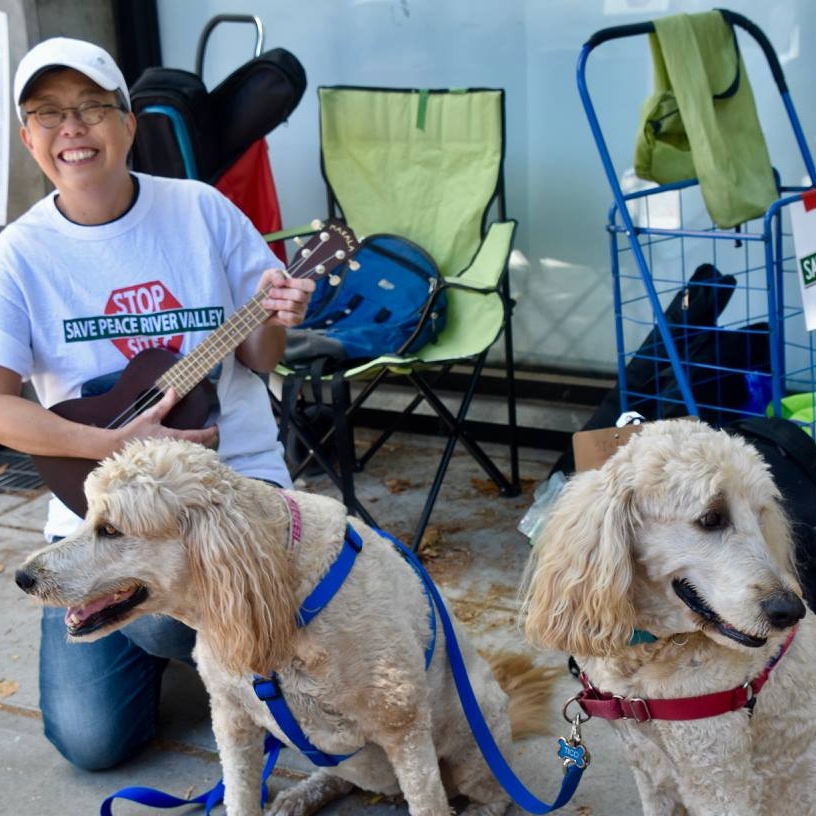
x=708, y=321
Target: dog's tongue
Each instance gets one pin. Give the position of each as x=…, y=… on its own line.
x=78, y=614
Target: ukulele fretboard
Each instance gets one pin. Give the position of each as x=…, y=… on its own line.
x=184, y=375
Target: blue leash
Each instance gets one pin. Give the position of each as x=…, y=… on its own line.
x=575, y=756
x=210, y=799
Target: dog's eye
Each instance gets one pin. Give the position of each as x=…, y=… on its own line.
x=107, y=531
x=711, y=520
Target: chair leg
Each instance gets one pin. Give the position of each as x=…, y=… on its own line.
x=510, y=367
x=316, y=450
x=457, y=432
x=343, y=438
x=455, y=425
x=433, y=493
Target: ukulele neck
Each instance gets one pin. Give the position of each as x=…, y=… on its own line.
x=190, y=370
x=332, y=245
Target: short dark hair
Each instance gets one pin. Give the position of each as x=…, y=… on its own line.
x=121, y=100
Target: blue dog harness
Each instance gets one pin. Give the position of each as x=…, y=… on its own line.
x=268, y=688
x=572, y=752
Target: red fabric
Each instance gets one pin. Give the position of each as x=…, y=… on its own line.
x=809, y=199
x=250, y=186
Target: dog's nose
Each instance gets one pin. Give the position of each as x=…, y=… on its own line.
x=783, y=609
x=24, y=580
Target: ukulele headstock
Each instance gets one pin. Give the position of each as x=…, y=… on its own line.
x=331, y=246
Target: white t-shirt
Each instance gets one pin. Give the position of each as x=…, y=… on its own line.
x=78, y=302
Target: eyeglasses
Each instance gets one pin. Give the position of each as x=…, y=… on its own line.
x=89, y=113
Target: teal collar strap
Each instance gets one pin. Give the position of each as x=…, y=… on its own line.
x=641, y=636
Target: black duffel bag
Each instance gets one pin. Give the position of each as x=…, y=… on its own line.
x=791, y=456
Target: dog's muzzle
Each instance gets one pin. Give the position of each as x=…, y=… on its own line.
x=783, y=609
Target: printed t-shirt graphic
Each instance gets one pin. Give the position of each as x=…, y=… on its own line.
x=146, y=315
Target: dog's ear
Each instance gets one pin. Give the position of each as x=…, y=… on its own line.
x=578, y=580
x=244, y=581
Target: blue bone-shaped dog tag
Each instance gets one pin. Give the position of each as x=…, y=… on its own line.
x=573, y=754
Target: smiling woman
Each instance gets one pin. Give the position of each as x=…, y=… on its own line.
x=84, y=157
x=122, y=264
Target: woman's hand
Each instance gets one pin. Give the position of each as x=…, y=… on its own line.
x=287, y=298
x=148, y=424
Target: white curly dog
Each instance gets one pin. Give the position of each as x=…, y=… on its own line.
x=171, y=530
x=668, y=574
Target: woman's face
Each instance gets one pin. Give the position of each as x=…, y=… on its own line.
x=76, y=157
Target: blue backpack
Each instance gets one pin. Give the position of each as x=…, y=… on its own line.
x=392, y=304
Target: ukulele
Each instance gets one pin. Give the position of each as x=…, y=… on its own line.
x=148, y=375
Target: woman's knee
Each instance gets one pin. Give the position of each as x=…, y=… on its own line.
x=93, y=750
x=99, y=700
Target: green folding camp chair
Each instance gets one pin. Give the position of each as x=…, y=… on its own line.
x=426, y=165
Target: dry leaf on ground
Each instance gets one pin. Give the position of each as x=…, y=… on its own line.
x=431, y=544
x=397, y=485
x=8, y=687
x=528, y=485
x=486, y=487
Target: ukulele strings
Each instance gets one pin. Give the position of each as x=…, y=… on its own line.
x=149, y=398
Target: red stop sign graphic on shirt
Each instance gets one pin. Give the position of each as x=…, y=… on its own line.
x=146, y=302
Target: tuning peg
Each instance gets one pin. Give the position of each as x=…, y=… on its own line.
x=354, y=265
x=320, y=269
x=324, y=236
x=305, y=252
x=298, y=240
x=334, y=280
x=317, y=224
x=340, y=254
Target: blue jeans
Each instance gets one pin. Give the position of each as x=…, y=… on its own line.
x=100, y=700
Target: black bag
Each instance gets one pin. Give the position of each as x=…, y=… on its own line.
x=184, y=131
x=254, y=99
x=718, y=362
x=176, y=134
x=791, y=455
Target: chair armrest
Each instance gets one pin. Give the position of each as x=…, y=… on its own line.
x=292, y=232
x=488, y=265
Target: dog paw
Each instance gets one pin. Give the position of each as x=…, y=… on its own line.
x=494, y=809
x=309, y=795
x=287, y=806
x=290, y=802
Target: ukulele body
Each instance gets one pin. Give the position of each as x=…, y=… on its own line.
x=65, y=475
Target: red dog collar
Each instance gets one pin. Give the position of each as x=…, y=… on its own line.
x=596, y=703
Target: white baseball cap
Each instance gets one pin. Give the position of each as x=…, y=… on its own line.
x=87, y=58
